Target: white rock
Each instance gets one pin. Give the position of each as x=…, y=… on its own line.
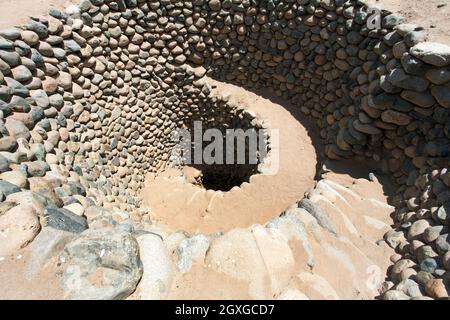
x=158, y=268
x=18, y=227
x=15, y=177
x=73, y=11
x=76, y=208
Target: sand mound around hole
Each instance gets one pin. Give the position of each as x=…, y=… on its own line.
x=178, y=203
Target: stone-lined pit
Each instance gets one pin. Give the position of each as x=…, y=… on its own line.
x=90, y=96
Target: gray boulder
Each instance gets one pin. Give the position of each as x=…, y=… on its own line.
x=433, y=53
x=101, y=264
x=190, y=250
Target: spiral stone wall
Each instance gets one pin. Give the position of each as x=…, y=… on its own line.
x=89, y=97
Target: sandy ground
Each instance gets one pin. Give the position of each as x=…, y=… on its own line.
x=16, y=282
x=433, y=15
x=430, y=14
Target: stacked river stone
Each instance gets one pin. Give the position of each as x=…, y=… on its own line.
x=89, y=98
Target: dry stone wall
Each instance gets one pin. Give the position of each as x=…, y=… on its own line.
x=89, y=97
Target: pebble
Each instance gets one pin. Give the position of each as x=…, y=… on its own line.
x=395, y=295
x=76, y=208
x=22, y=74
x=10, y=34
x=12, y=58
x=30, y=37
x=8, y=144
x=443, y=243
x=446, y=260
x=435, y=288
x=16, y=178
x=432, y=233
x=417, y=229
x=17, y=129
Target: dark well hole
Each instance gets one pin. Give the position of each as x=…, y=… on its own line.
x=226, y=174
x=248, y=149
x=224, y=177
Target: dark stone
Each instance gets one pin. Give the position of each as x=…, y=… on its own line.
x=5, y=95
x=443, y=243
x=16, y=87
x=22, y=48
x=383, y=100
x=428, y=265
x=40, y=29
x=414, y=37
x=438, y=76
x=10, y=34
x=37, y=113
x=442, y=95
x=8, y=188
x=412, y=65
x=71, y=46
x=10, y=57
x=62, y=219
x=55, y=13
x=402, y=80
x=354, y=37
x=19, y=104
x=5, y=44
x=421, y=99
x=37, y=58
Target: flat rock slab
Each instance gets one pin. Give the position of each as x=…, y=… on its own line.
x=433, y=53
x=63, y=219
